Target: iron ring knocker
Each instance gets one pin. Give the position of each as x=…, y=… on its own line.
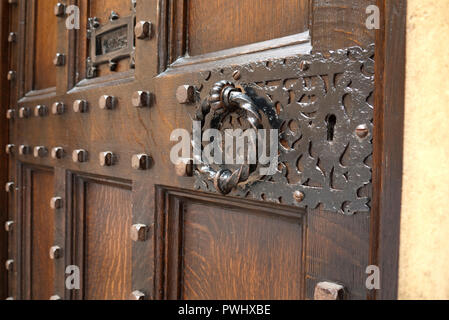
x=224, y=98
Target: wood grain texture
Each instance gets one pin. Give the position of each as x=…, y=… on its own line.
x=45, y=45
x=337, y=251
x=35, y=232
x=80, y=49
x=42, y=235
x=231, y=250
x=102, y=8
x=339, y=24
x=240, y=254
x=215, y=25
x=388, y=144
x=144, y=262
x=107, y=255
x=62, y=233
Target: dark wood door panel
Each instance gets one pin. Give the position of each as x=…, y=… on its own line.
x=200, y=245
x=337, y=251
x=102, y=8
x=239, y=252
x=37, y=234
x=340, y=24
x=218, y=249
x=40, y=45
x=103, y=247
x=233, y=24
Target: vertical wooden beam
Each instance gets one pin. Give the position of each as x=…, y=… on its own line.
x=143, y=256
x=388, y=145
x=4, y=98
x=64, y=77
x=62, y=234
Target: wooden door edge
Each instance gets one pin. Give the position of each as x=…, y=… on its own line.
x=389, y=99
x=4, y=99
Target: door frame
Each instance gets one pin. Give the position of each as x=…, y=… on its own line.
x=388, y=144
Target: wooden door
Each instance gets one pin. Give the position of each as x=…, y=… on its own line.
x=92, y=112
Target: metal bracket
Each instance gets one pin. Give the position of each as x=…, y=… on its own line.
x=322, y=105
x=111, y=42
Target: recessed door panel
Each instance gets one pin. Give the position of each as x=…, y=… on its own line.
x=103, y=242
x=38, y=233
x=230, y=25
x=243, y=255
x=42, y=43
x=222, y=251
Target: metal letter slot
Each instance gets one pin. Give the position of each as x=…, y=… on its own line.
x=110, y=42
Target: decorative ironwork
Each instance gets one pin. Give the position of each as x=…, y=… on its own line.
x=322, y=105
x=111, y=42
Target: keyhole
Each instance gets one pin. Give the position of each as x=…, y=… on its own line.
x=331, y=120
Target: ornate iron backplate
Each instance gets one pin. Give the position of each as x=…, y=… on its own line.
x=111, y=42
x=322, y=105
